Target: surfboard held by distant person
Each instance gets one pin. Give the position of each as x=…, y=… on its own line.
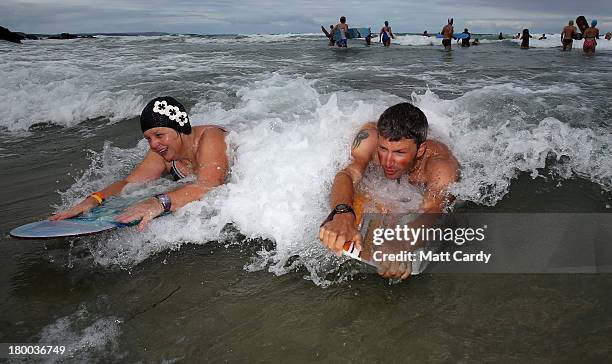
x=455, y=35
x=354, y=33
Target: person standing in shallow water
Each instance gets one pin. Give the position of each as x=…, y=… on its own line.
x=332, y=42
x=465, y=42
x=344, y=28
x=385, y=35
x=567, y=36
x=525, y=39
x=590, y=35
x=447, y=34
x=175, y=148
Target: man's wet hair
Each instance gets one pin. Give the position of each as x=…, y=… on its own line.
x=342, y=19
x=403, y=120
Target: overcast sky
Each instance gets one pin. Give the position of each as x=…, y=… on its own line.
x=294, y=16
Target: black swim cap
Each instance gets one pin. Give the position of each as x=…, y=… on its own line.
x=165, y=112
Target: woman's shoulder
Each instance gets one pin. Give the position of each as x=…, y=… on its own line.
x=209, y=129
x=209, y=133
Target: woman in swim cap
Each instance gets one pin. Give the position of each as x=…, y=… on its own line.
x=590, y=35
x=176, y=148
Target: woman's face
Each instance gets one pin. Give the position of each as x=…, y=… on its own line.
x=163, y=141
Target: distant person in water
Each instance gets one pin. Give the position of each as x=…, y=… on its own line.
x=385, y=35
x=175, y=148
x=590, y=35
x=425, y=34
x=542, y=37
x=608, y=35
x=517, y=36
x=465, y=42
x=567, y=36
x=332, y=42
x=476, y=42
x=447, y=34
x=500, y=36
x=343, y=27
x=368, y=39
x=525, y=39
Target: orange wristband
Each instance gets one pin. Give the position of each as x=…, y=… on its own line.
x=99, y=197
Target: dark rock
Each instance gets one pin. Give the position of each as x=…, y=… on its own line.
x=27, y=36
x=6, y=34
x=63, y=36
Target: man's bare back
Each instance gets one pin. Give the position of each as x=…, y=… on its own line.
x=591, y=33
x=568, y=32
x=447, y=31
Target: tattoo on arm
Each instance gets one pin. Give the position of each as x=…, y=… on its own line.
x=361, y=136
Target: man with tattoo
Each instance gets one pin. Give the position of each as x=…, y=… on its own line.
x=398, y=144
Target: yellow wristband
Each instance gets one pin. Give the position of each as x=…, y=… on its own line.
x=97, y=197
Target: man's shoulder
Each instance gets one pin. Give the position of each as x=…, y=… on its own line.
x=440, y=156
x=366, y=132
x=433, y=143
x=365, y=141
x=370, y=125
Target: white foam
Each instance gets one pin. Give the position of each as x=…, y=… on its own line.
x=85, y=336
x=253, y=38
x=416, y=40
x=494, y=145
x=554, y=41
x=61, y=93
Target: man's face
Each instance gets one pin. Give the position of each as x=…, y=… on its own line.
x=396, y=158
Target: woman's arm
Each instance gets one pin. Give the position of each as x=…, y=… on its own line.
x=151, y=167
x=210, y=168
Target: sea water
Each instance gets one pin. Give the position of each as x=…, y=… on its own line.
x=530, y=128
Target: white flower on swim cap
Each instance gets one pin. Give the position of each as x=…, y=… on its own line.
x=181, y=118
x=172, y=112
x=160, y=107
